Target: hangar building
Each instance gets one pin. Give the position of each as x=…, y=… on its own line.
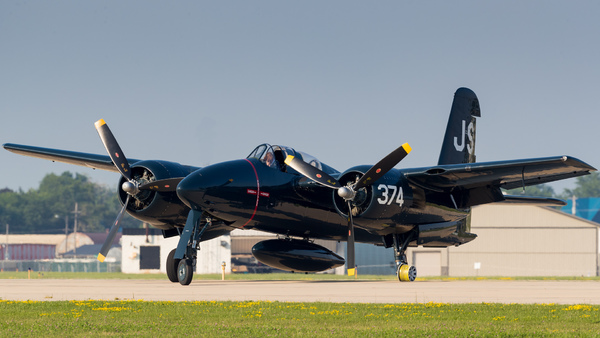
x=519, y=240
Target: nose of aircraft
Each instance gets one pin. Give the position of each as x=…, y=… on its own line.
x=192, y=188
x=225, y=189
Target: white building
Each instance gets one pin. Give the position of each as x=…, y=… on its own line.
x=146, y=251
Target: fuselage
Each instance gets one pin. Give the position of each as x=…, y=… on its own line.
x=248, y=194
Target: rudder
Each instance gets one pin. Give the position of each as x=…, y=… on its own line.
x=459, y=141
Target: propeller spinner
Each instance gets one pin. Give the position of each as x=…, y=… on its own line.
x=349, y=192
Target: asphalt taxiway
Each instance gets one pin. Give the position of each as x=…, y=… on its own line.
x=489, y=291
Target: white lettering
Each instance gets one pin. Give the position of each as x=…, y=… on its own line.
x=461, y=146
x=471, y=136
x=388, y=199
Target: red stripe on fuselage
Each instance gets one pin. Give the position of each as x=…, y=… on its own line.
x=257, y=193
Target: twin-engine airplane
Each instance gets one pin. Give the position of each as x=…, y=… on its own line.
x=287, y=192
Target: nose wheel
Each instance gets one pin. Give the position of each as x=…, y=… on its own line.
x=185, y=271
x=181, y=266
x=172, y=266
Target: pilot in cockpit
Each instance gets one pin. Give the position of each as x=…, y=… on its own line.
x=270, y=160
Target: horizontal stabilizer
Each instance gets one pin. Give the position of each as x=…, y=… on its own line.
x=531, y=200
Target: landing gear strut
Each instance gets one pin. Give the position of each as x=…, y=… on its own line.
x=405, y=272
x=181, y=262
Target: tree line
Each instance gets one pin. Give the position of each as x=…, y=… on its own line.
x=47, y=209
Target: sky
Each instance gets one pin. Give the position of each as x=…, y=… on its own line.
x=200, y=82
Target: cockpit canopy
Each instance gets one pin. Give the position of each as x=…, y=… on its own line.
x=274, y=156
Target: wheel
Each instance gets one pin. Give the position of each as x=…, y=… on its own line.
x=407, y=273
x=172, y=266
x=185, y=271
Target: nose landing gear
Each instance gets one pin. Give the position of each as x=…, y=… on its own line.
x=181, y=262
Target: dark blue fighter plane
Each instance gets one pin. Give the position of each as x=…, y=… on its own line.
x=287, y=192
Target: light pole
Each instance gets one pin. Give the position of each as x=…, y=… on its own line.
x=76, y=212
x=6, y=247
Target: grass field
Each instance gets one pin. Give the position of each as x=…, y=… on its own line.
x=264, y=318
x=142, y=318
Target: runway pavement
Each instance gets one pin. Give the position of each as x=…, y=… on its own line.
x=561, y=292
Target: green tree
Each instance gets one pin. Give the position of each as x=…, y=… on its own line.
x=43, y=210
x=585, y=186
x=10, y=208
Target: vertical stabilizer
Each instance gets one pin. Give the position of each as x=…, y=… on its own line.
x=459, y=141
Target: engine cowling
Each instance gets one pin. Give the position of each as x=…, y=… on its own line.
x=296, y=255
x=377, y=203
x=163, y=210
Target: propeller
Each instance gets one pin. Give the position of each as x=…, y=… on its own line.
x=113, y=149
x=349, y=192
x=130, y=186
x=112, y=233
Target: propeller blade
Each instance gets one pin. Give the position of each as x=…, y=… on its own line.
x=166, y=185
x=383, y=166
x=311, y=172
x=113, y=233
x=113, y=149
x=350, y=244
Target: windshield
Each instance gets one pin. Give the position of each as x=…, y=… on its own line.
x=259, y=151
x=274, y=157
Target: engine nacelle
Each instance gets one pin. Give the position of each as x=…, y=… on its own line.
x=296, y=255
x=378, y=203
x=163, y=210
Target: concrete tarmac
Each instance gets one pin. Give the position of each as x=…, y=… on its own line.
x=489, y=291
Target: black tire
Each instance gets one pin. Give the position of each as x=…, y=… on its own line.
x=172, y=266
x=185, y=271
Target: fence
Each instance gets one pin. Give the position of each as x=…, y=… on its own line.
x=61, y=265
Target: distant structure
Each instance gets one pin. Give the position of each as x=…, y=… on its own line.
x=29, y=247
x=588, y=208
x=35, y=247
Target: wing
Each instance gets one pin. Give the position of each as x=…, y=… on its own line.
x=478, y=183
x=94, y=161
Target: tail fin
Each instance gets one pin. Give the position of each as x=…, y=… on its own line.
x=459, y=141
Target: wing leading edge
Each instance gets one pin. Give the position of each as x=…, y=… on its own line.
x=478, y=183
x=95, y=161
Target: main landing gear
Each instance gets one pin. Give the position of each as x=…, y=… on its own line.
x=181, y=262
x=405, y=272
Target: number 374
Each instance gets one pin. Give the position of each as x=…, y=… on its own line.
x=390, y=194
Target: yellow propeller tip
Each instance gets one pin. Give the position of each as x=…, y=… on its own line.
x=288, y=159
x=99, y=123
x=351, y=272
x=101, y=257
x=407, y=147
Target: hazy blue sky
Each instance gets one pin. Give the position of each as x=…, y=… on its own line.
x=202, y=82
